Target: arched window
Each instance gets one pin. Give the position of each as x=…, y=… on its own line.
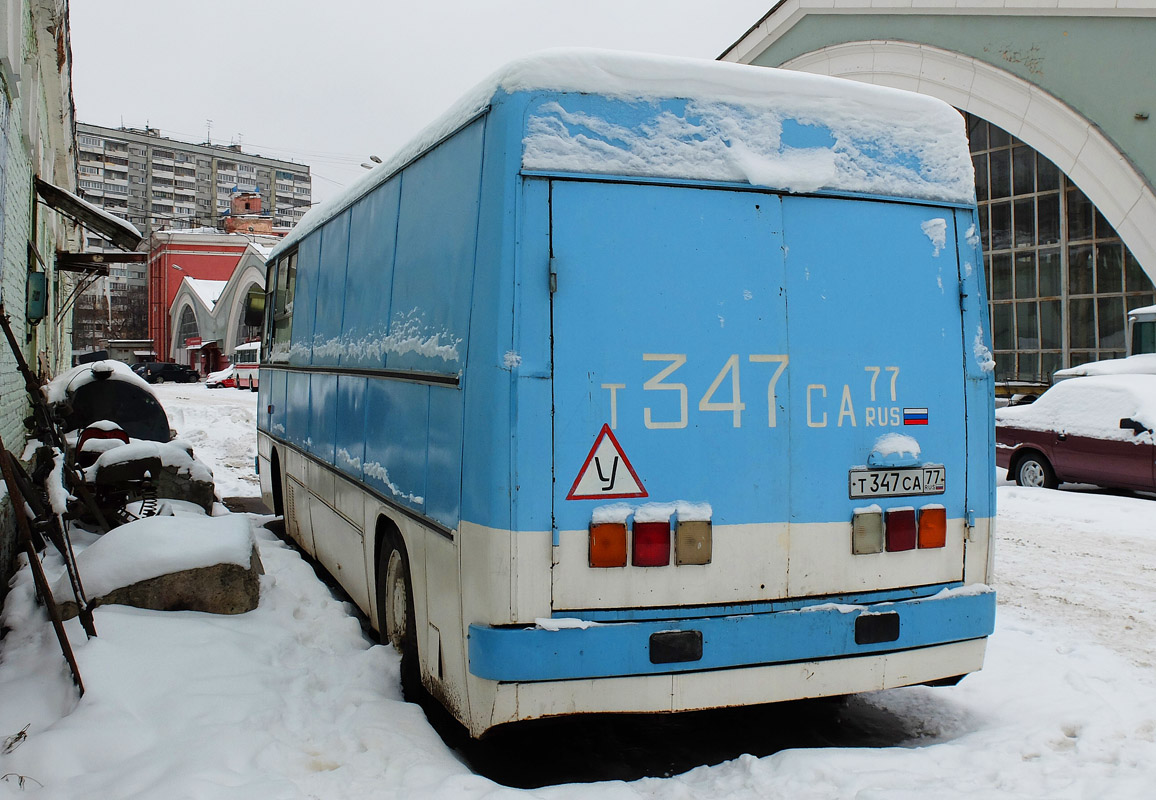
x=1060, y=281
x=187, y=328
x=245, y=332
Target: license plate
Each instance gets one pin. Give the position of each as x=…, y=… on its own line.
x=897, y=482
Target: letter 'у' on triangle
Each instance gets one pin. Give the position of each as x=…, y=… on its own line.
x=606, y=473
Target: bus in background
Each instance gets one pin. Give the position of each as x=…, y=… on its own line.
x=639, y=384
x=246, y=365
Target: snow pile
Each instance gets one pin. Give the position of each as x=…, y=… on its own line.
x=222, y=427
x=936, y=231
x=1140, y=364
x=652, y=512
x=896, y=444
x=1091, y=406
x=62, y=386
x=861, y=138
x=983, y=357
x=175, y=454
x=154, y=546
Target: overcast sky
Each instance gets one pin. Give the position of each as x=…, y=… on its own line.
x=329, y=82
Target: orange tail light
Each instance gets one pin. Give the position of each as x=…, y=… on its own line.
x=932, y=527
x=608, y=544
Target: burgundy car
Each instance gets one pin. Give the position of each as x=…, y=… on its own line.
x=1097, y=429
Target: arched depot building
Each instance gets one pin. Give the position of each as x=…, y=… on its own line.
x=1057, y=98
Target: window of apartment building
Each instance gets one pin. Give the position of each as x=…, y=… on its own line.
x=113, y=188
x=226, y=166
x=90, y=141
x=136, y=150
x=119, y=161
x=157, y=153
x=85, y=184
x=301, y=178
x=249, y=168
x=186, y=171
x=162, y=181
x=83, y=170
x=160, y=209
x=1060, y=281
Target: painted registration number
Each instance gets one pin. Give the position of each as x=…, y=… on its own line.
x=898, y=482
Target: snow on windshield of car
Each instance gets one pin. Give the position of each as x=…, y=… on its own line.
x=1090, y=406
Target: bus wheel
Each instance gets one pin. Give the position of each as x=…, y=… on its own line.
x=1035, y=471
x=395, y=610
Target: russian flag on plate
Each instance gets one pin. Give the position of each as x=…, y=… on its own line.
x=915, y=416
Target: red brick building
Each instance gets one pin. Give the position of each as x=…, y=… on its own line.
x=206, y=254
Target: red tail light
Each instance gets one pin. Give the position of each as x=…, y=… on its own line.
x=900, y=529
x=651, y=544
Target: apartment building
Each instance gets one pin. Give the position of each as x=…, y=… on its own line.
x=158, y=183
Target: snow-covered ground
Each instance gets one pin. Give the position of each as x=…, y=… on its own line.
x=293, y=701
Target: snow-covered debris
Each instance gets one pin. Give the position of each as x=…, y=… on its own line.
x=62, y=386
x=175, y=455
x=155, y=546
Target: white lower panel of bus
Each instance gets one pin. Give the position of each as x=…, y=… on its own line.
x=734, y=687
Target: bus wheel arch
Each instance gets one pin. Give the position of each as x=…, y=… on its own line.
x=396, y=620
x=1032, y=468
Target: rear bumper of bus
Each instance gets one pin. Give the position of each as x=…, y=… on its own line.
x=816, y=633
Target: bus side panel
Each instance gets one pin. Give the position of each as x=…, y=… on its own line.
x=444, y=471
x=980, y=400
x=396, y=438
x=369, y=283
x=349, y=451
x=322, y=416
x=297, y=408
x=331, y=289
x=305, y=301
x=487, y=491
x=271, y=403
x=530, y=417
x=433, y=274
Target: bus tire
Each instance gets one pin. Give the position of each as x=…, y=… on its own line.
x=1033, y=470
x=395, y=612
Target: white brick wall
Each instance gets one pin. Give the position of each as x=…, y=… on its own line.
x=36, y=124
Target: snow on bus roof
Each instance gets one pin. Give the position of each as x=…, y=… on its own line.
x=885, y=141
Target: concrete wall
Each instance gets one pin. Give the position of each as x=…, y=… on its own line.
x=1100, y=66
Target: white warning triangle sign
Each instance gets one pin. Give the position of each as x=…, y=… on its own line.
x=606, y=473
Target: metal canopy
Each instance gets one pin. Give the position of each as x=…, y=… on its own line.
x=121, y=233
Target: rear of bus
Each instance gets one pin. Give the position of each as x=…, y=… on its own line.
x=772, y=461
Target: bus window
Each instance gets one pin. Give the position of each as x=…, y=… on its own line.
x=283, y=305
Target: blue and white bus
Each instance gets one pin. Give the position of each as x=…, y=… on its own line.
x=644, y=385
